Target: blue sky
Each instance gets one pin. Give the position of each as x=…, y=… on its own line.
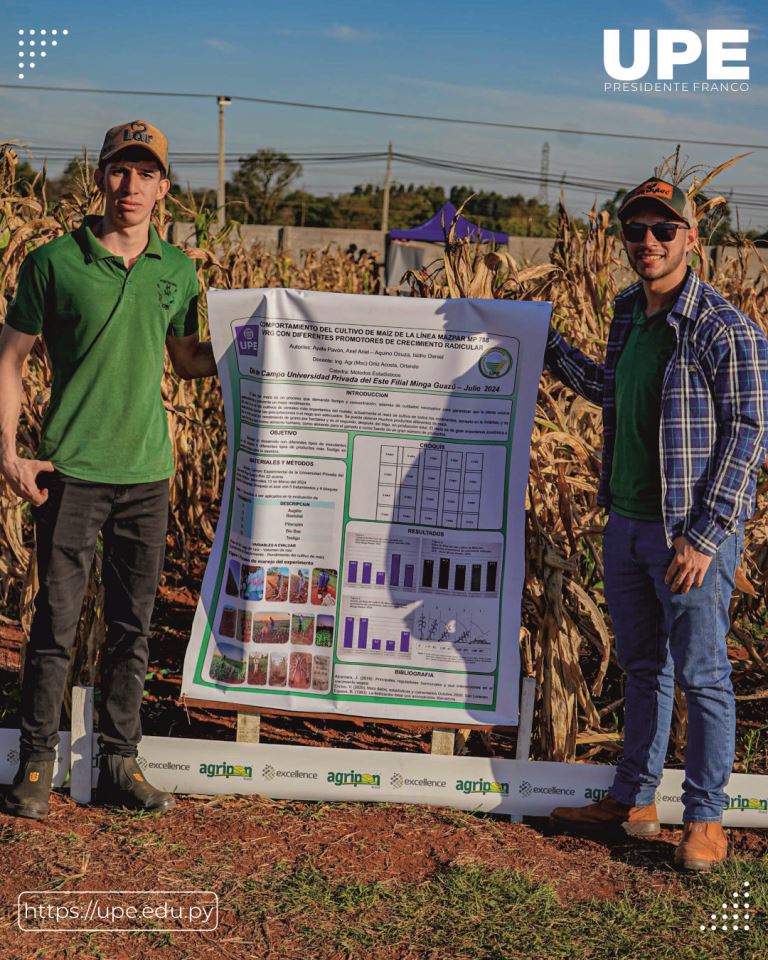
x=538, y=63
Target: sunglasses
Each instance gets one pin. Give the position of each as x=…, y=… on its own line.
x=664, y=232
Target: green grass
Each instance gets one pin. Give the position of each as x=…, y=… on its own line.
x=470, y=913
x=467, y=912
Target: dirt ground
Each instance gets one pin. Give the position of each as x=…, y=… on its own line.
x=218, y=843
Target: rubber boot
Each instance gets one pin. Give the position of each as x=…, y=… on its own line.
x=121, y=784
x=29, y=794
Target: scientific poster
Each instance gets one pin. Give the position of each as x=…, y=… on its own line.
x=368, y=559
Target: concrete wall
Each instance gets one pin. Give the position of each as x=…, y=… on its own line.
x=267, y=236
x=724, y=254
x=296, y=239
x=293, y=240
x=530, y=249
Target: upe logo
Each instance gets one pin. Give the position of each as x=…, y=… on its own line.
x=268, y=772
x=525, y=788
x=678, y=48
x=247, y=340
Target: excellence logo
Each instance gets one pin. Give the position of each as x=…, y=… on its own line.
x=724, y=52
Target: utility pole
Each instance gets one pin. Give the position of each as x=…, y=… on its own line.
x=387, y=186
x=221, y=198
x=544, y=176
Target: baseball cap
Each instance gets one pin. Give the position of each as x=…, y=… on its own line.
x=137, y=133
x=668, y=195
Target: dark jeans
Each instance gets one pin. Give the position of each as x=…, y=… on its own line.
x=133, y=519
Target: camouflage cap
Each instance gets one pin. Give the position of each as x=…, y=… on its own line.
x=668, y=195
x=137, y=133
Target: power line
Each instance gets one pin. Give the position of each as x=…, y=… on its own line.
x=429, y=118
x=479, y=170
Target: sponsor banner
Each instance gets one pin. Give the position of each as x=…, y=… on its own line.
x=9, y=756
x=368, y=559
x=519, y=787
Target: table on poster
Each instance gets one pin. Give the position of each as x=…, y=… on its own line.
x=368, y=559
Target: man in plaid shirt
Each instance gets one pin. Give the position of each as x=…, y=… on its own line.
x=684, y=393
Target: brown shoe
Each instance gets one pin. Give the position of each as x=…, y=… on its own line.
x=704, y=845
x=608, y=814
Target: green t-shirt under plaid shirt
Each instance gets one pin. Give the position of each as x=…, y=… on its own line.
x=636, y=474
x=104, y=328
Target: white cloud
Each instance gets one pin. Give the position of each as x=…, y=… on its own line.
x=221, y=45
x=711, y=16
x=342, y=32
x=347, y=34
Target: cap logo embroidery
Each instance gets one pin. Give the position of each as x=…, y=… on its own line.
x=656, y=190
x=137, y=133
x=34, y=776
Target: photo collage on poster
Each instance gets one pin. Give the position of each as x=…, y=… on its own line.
x=275, y=627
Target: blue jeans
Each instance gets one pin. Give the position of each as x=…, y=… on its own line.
x=661, y=637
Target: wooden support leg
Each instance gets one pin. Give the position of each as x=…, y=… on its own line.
x=248, y=728
x=443, y=742
x=525, y=726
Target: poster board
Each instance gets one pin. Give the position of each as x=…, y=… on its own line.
x=368, y=559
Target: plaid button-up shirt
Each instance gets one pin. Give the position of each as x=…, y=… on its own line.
x=714, y=409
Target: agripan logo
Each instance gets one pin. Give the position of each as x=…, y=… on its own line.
x=628, y=61
x=351, y=778
x=226, y=770
x=748, y=803
x=595, y=793
x=483, y=787
x=735, y=803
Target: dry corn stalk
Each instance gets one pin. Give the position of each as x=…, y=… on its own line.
x=565, y=635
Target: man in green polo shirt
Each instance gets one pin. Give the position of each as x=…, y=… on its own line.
x=107, y=299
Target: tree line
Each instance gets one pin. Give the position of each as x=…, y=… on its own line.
x=263, y=189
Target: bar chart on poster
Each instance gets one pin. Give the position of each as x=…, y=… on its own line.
x=429, y=597
x=368, y=555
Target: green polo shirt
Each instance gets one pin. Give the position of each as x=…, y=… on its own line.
x=104, y=328
x=636, y=473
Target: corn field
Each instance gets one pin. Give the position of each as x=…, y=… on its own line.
x=565, y=639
